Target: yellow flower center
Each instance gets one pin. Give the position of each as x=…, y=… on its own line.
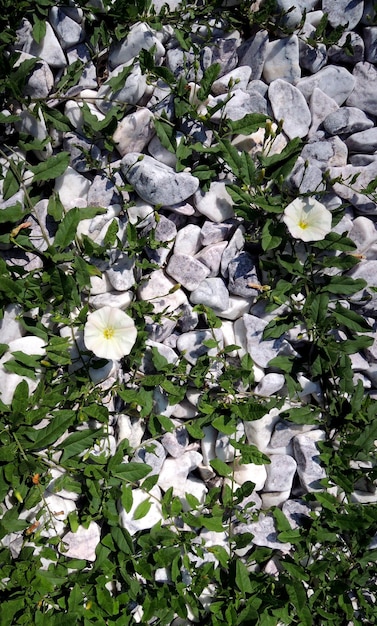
x=302, y=224
x=108, y=333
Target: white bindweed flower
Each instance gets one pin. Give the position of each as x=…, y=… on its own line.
x=307, y=219
x=110, y=333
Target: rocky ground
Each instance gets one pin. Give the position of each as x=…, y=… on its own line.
x=323, y=93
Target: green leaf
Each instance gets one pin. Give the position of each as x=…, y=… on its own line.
x=20, y=399
x=78, y=442
x=209, y=76
x=270, y=238
x=302, y=415
x=344, y=285
x=116, y=83
x=111, y=234
x=11, y=183
x=278, y=326
x=55, y=207
x=247, y=125
x=39, y=29
x=131, y=472
x=142, y=509
x=350, y=319
x=68, y=226
x=250, y=453
x=166, y=133
x=221, y=468
x=243, y=578
x=211, y=523
x=51, y=168
x=328, y=501
x=12, y=214
x=122, y=539
x=295, y=571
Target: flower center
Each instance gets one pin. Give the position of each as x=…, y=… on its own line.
x=303, y=224
x=108, y=333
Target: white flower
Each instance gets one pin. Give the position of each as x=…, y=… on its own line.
x=110, y=333
x=307, y=219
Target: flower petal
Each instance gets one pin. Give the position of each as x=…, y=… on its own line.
x=110, y=333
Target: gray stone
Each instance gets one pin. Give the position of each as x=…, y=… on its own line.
x=291, y=14
x=140, y=37
x=234, y=246
x=296, y=512
x=364, y=141
x=49, y=49
x=326, y=153
x=367, y=270
x=152, y=454
x=243, y=278
x=162, y=100
x=264, y=533
x=103, y=192
x=121, y=272
x=312, y=58
x=349, y=49
x=289, y=105
x=180, y=62
x=41, y=79
x=285, y=431
x=88, y=76
x=334, y=81
x=280, y=473
x=187, y=271
x=211, y=292
x=321, y=106
x=282, y=60
x=262, y=351
x=213, y=233
x=131, y=92
x=176, y=443
x=191, y=344
x=211, y=256
x=308, y=462
x=258, y=103
x=84, y=155
x=159, y=331
x=253, y=53
x=69, y=32
x=158, y=152
x=305, y=177
x=237, y=78
x=224, y=52
x=134, y=131
x=188, y=319
x=364, y=94
x=347, y=120
x=369, y=12
x=343, y=12
x=349, y=192
x=155, y=182
x=239, y=105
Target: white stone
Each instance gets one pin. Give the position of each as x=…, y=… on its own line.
x=70, y=33
x=211, y=292
x=250, y=472
x=289, y=105
x=72, y=188
x=187, y=271
x=258, y=432
x=237, y=78
x=116, y=299
x=280, y=473
x=237, y=307
x=216, y=203
x=156, y=290
x=10, y=327
x=155, y=182
x=82, y=544
x=140, y=37
x=131, y=428
x=48, y=49
x=153, y=516
x=130, y=93
x=134, y=131
x=208, y=444
x=174, y=472
x=30, y=345
x=191, y=344
x=282, y=60
x=187, y=240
